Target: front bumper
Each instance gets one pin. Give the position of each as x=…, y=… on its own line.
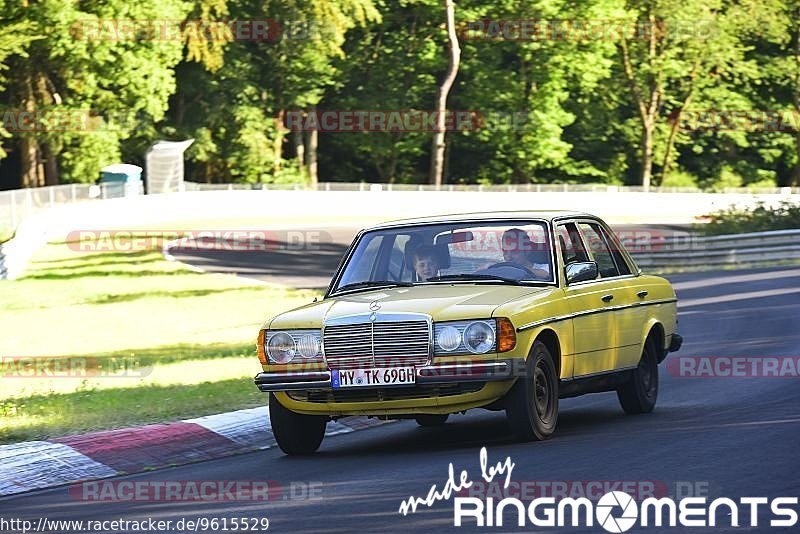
x=446, y=373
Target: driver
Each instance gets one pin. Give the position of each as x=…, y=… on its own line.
x=518, y=249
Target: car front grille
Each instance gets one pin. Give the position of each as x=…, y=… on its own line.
x=377, y=344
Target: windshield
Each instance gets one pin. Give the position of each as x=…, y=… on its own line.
x=509, y=252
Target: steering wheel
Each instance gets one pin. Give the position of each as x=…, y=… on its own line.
x=514, y=265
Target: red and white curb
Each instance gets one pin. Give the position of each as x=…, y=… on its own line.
x=35, y=465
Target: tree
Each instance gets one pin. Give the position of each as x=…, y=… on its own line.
x=438, y=142
x=84, y=63
x=688, y=48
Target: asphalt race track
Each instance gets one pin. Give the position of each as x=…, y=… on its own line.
x=721, y=436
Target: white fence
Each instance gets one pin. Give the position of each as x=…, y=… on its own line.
x=18, y=204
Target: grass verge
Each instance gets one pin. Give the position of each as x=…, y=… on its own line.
x=101, y=340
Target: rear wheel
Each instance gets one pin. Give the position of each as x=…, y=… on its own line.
x=639, y=393
x=295, y=433
x=532, y=403
x=430, y=419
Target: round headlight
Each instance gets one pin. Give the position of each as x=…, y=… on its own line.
x=448, y=338
x=479, y=337
x=308, y=346
x=281, y=347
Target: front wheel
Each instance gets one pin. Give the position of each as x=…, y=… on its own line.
x=295, y=433
x=639, y=393
x=532, y=403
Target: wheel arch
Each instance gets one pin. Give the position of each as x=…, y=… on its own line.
x=550, y=340
x=655, y=331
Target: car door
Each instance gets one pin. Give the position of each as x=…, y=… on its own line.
x=594, y=329
x=622, y=289
x=631, y=315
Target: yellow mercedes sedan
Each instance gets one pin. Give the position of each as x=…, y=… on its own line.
x=503, y=311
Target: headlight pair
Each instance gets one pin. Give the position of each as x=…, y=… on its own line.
x=285, y=345
x=474, y=337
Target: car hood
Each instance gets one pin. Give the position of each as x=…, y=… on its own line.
x=443, y=302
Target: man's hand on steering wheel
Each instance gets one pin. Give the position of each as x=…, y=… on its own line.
x=514, y=265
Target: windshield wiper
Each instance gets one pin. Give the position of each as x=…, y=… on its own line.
x=372, y=284
x=471, y=277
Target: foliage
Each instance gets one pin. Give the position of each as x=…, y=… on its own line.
x=560, y=106
x=761, y=218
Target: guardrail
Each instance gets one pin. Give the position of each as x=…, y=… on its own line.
x=694, y=251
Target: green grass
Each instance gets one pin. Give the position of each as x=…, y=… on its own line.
x=188, y=337
x=83, y=410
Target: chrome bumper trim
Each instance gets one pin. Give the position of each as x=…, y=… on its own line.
x=426, y=375
x=301, y=380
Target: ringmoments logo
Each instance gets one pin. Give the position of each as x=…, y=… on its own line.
x=616, y=500
x=615, y=511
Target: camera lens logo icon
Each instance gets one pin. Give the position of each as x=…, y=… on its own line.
x=606, y=509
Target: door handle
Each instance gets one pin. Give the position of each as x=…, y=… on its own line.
x=607, y=298
x=641, y=294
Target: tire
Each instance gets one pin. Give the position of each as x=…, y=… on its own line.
x=431, y=419
x=295, y=433
x=532, y=403
x=640, y=392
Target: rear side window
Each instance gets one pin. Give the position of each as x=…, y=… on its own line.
x=597, y=243
x=619, y=257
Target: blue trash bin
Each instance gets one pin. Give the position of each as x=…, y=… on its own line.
x=128, y=177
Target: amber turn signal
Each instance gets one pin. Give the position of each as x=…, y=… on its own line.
x=262, y=356
x=506, y=335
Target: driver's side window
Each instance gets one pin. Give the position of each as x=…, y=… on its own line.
x=569, y=240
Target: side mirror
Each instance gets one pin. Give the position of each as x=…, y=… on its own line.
x=581, y=271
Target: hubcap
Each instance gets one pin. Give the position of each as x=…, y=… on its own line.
x=646, y=371
x=542, y=389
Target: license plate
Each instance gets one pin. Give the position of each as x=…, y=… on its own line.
x=378, y=377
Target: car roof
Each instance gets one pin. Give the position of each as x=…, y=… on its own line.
x=547, y=215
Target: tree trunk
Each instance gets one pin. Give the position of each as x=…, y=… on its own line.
x=796, y=178
x=311, y=154
x=673, y=131
x=50, y=165
x=438, y=142
x=29, y=147
x=29, y=162
x=647, y=104
x=647, y=154
x=393, y=157
x=299, y=148
x=277, y=144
